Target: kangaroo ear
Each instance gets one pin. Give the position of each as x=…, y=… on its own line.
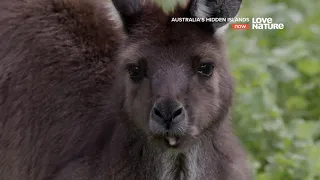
x=129, y=11
x=215, y=9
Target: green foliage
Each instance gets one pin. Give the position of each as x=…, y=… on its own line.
x=169, y=5
x=277, y=104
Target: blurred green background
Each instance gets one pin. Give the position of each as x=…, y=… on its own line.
x=276, y=111
x=277, y=107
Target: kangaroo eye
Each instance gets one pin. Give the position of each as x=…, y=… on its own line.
x=136, y=72
x=205, y=69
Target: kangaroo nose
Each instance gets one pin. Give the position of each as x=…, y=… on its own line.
x=168, y=112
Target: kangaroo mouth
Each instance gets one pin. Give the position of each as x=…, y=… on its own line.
x=172, y=141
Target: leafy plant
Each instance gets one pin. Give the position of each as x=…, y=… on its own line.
x=277, y=107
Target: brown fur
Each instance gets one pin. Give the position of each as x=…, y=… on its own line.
x=69, y=110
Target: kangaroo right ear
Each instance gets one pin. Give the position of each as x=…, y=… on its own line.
x=215, y=9
x=129, y=10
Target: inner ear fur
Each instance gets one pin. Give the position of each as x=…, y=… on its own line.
x=214, y=9
x=130, y=11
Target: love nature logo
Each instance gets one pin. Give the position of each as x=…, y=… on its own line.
x=258, y=23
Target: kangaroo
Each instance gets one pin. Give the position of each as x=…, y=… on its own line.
x=116, y=90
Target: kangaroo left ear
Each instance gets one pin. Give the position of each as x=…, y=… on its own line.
x=215, y=9
x=129, y=11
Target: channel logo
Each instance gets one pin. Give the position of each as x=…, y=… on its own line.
x=259, y=24
x=240, y=26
